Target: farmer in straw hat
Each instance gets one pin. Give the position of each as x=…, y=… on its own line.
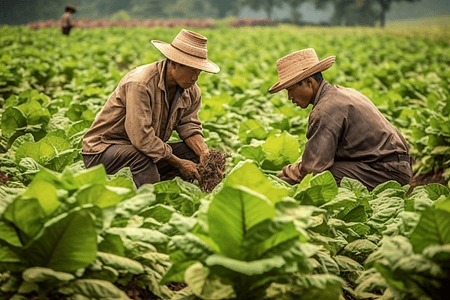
x=347, y=134
x=66, y=19
x=151, y=101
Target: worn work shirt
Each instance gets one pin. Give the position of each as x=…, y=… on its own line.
x=345, y=125
x=138, y=113
x=66, y=20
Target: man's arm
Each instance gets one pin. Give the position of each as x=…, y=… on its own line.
x=197, y=144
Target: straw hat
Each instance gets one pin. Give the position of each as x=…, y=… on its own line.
x=188, y=48
x=71, y=7
x=298, y=66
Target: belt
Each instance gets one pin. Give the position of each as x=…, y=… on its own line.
x=391, y=157
x=396, y=157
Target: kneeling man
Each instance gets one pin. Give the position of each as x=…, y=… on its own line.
x=347, y=134
x=151, y=101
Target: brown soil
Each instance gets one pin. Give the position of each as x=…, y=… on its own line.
x=3, y=178
x=211, y=170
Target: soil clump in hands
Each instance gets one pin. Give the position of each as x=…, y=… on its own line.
x=211, y=170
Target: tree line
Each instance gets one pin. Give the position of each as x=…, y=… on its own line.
x=345, y=12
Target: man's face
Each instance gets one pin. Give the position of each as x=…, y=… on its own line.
x=185, y=76
x=301, y=94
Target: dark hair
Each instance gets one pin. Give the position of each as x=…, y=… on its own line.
x=317, y=77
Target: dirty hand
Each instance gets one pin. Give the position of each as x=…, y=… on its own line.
x=189, y=169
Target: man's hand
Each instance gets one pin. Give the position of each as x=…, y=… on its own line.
x=187, y=168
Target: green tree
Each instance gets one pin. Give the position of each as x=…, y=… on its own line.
x=385, y=6
x=266, y=5
x=224, y=7
x=294, y=5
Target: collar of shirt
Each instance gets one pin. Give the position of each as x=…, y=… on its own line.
x=182, y=93
x=322, y=88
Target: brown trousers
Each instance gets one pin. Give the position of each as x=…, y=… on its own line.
x=144, y=170
x=371, y=174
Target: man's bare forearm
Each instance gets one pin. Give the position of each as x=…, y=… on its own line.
x=197, y=144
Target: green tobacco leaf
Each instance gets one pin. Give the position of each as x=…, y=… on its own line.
x=439, y=254
x=62, y=246
x=249, y=175
x=346, y=264
x=27, y=214
x=45, y=193
x=8, y=234
x=268, y=234
x=354, y=185
x=249, y=268
x=308, y=287
x=161, y=213
x=237, y=209
x=113, y=244
x=97, y=289
x=38, y=275
x=121, y=263
x=436, y=190
x=12, y=119
x=386, y=185
x=206, y=285
x=41, y=152
x=252, y=129
x=281, y=149
x=433, y=229
x=320, y=189
x=145, y=235
x=130, y=207
x=252, y=152
x=101, y=195
x=359, y=250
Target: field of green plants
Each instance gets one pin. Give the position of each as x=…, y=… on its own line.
x=67, y=232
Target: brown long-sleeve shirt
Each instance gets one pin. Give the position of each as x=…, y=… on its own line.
x=345, y=125
x=66, y=20
x=137, y=113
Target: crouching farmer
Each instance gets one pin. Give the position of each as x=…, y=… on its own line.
x=150, y=102
x=347, y=134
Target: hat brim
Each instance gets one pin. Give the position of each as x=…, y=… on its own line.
x=183, y=58
x=319, y=67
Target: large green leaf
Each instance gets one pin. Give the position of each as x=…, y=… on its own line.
x=206, y=285
x=45, y=193
x=247, y=174
x=26, y=214
x=308, y=287
x=12, y=119
x=232, y=212
x=121, y=263
x=97, y=289
x=281, y=149
x=249, y=268
x=39, y=274
x=61, y=245
x=9, y=234
x=433, y=229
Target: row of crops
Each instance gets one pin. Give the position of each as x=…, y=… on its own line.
x=83, y=234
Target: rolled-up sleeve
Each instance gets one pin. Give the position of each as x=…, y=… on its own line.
x=189, y=123
x=138, y=122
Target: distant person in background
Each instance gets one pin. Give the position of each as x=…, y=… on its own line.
x=150, y=102
x=66, y=19
x=347, y=134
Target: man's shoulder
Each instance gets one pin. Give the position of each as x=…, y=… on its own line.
x=142, y=74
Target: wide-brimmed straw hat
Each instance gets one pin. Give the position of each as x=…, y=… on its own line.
x=71, y=7
x=299, y=65
x=188, y=48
